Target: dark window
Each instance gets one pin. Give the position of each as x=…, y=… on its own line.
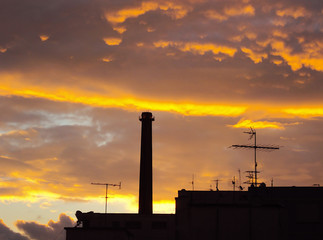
x=159, y=225
x=133, y=225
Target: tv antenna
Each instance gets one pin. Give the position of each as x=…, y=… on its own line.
x=106, y=191
x=250, y=177
x=240, y=187
x=217, y=183
x=192, y=182
x=252, y=134
x=234, y=183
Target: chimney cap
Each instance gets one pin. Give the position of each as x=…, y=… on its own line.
x=147, y=115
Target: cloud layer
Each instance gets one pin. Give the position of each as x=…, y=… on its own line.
x=37, y=231
x=220, y=51
x=8, y=234
x=51, y=230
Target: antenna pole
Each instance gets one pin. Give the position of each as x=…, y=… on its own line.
x=234, y=183
x=240, y=187
x=106, y=198
x=252, y=133
x=193, y=182
x=216, y=184
x=106, y=192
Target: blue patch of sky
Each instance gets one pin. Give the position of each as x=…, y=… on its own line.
x=48, y=120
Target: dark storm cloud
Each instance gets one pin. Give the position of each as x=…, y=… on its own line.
x=70, y=26
x=7, y=234
x=52, y=230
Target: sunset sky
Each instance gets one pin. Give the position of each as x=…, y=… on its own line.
x=75, y=76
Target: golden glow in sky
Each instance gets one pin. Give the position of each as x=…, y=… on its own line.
x=128, y=103
x=258, y=124
x=9, y=87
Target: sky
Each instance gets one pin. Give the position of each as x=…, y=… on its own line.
x=75, y=76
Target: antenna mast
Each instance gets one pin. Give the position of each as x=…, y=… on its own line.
x=240, y=187
x=217, y=183
x=234, y=183
x=192, y=182
x=106, y=191
x=252, y=133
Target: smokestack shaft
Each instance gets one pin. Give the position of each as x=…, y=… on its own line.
x=146, y=171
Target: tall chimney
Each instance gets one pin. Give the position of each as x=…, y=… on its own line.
x=146, y=165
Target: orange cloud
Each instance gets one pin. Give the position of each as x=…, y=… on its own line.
x=258, y=124
x=281, y=34
x=211, y=14
x=17, y=85
x=120, y=29
x=311, y=56
x=123, y=14
x=112, y=41
x=174, y=10
x=305, y=112
x=256, y=57
x=197, y=48
x=3, y=50
x=293, y=12
x=248, y=10
x=11, y=86
x=107, y=59
x=44, y=38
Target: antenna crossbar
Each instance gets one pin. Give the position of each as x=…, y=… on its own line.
x=106, y=191
x=258, y=147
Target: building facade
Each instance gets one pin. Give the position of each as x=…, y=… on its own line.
x=257, y=214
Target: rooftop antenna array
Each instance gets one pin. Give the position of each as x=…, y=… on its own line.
x=106, y=191
x=250, y=177
x=253, y=174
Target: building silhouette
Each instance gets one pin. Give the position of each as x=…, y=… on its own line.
x=261, y=213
